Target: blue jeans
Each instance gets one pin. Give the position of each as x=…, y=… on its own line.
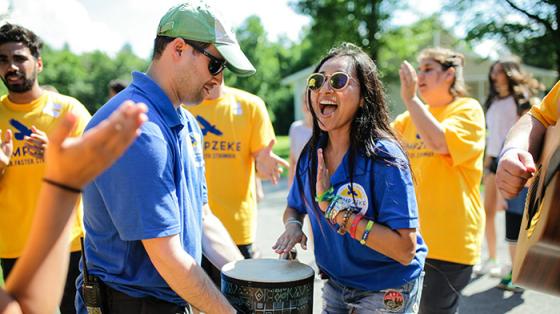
x=340, y=299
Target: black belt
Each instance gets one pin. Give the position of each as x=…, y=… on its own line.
x=116, y=300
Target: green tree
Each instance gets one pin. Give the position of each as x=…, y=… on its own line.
x=86, y=76
x=528, y=28
x=357, y=21
x=272, y=62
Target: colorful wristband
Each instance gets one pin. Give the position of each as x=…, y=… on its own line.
x=326, y=196
x=331, y=207
x=355, y=224
x=366, y=232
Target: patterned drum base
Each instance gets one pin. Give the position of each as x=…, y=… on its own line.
x=266, y=293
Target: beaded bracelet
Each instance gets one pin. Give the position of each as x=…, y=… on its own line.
x=342, y=227
x=293, y=221
x=326, y=196
x=338, y=208
x=355, y=224
x=331, y=207
x=366, y=232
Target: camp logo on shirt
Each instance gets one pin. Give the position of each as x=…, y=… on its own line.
x=353, y=192
x=21, y=130
x=21, y=155
x=214, y=148
x=195, y=140
x=207, y=127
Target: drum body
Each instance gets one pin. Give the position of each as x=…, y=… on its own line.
x=268, y=286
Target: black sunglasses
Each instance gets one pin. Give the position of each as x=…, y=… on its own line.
x=215, y=66
x=337, y=80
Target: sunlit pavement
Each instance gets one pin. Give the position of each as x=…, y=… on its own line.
x=480, y=296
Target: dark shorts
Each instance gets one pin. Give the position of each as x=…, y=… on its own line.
x=513, y=224
x=443, y=283
x=493, y=167
x=514, y=215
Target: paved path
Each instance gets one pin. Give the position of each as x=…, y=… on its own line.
x=480, y=296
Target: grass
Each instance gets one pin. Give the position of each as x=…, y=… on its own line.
x=282, y=146
x=282, y=149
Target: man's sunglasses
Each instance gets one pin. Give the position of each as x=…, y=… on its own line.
x=215, y=66
x=337, y=80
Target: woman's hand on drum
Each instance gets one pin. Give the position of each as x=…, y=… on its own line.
x=323, y=179
x=289, y=238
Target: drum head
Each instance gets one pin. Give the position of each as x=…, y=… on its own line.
x=267, y=270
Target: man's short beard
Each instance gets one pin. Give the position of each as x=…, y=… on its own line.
x=26, y=86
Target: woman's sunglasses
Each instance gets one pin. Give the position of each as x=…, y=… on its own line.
x=337, y=80
x=215, y=66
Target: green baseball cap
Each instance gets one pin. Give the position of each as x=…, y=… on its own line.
x=197, y=20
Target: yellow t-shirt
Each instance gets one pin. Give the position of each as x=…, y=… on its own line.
x=447, y=186
x=234, y=127
x=20, y=184
x=547, y=111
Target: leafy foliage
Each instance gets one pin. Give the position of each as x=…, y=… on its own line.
x=86, y=76
x=527, y=28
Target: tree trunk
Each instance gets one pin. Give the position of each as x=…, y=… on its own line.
x=373, y=28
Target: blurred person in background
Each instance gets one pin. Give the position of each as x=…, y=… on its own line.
x=443, y=132
x=28, y=114
x=238, y=141
x=511, y=95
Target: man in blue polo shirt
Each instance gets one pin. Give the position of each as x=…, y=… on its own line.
x=146, y=218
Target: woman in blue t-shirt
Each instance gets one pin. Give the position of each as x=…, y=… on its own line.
x=354, y=181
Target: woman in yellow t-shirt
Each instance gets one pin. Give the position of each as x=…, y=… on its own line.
x=443, y=133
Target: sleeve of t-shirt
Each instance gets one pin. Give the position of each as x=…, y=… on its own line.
x=547, y=111
x=464, y=132
x=296, y=198
x=139, y=190
x=83, y=118
x=262, y=129
x=398, y=123
x=394, y=191
x=291, y=136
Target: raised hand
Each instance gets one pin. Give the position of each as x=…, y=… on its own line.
x=269, y=165
x=6, y=149
x=323, y=179
x=36, y=143
x=76, y=161
x=409, y=81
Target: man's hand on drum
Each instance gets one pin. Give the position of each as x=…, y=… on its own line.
x=292, y=235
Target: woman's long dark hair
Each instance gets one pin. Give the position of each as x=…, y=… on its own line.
x=520, y=85
x=370, y=123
